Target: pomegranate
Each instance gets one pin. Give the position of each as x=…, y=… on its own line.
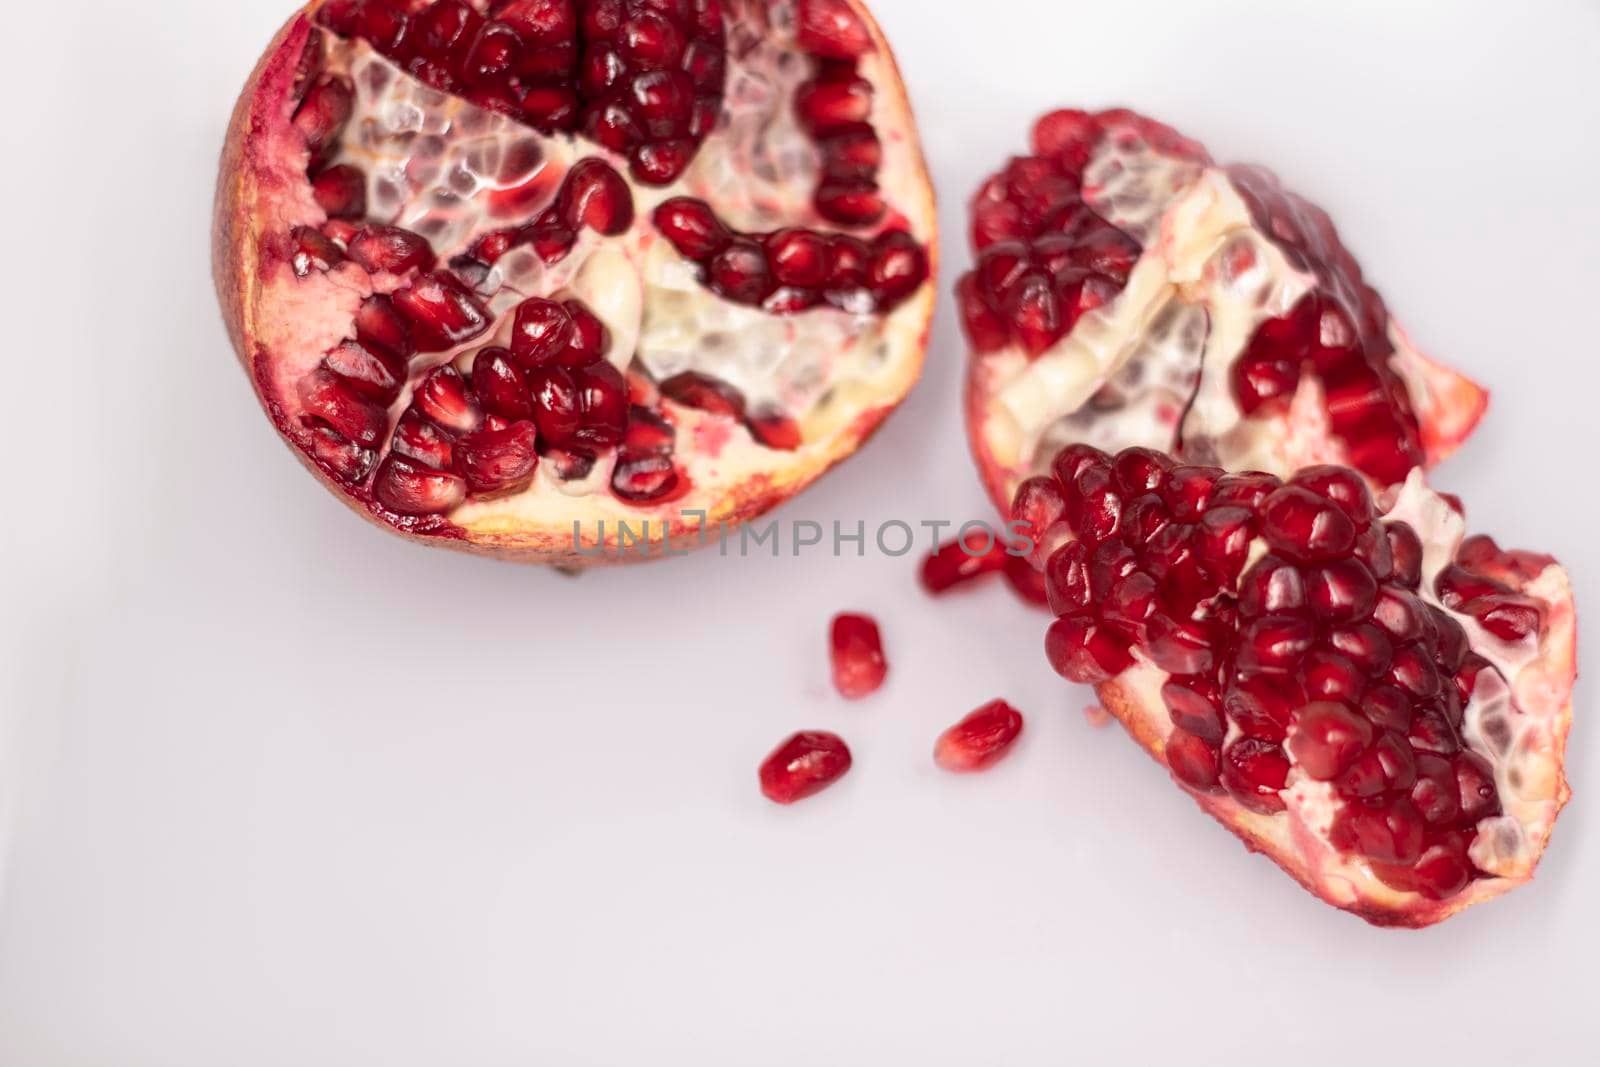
x=1130, y=292
x=506, y=274
x=1352, y=686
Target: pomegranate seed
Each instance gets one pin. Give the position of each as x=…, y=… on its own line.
x=798, y=257
x=443, y=313
x=556, y=409
x=500, y=386
x=1341, y=485
x=313, y=251
x=704, y=393
x=341, y=407
x=1067, y=579
x=379, y=325
x=832, y=29
x=345, y=460
x=590, y=339
x=1187, y=491
x=1081, y=650
x=956, y=562
x=603, y=405
x=341, y=192
x=776, y=430
x=323, y=112
x=980, y=740
x=1254, y=772
x=1507, y=616
x=1477, y=794
x=805, y=764
x=1441, y=872
x=896, y=268
x=853, y=154
x=1272, y=586
x=692, y=228
x=1341, y=591
x=1066, y=136
x=1435, y=792
x=850, y=201
x=1274, y=643
x=644, y=477
x=374, y=372
x=827, y=107
x=1385, y=767
x=409, y=488
x=1326, y=737
x=389, y=248
x=856, y=649
x=498, y=462
x=1262, y=705
x=541, y=330
x=1406, y=549
x=417, y=438
x=1194, y=762
x=1388, y=832
x=1304, y=526
x=1195, y=706
x=442, y=397
x=740, y=272
x=596, y=196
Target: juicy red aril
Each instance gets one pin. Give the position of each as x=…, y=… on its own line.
x=740, y=272
x=1067, y=579
x=443, y=398
x=1442, y=870
x=645, y=477
x=1326, y=737
x=496, y=462
x=805, y=764
x=326, y=396
x=370, y=370
x=980, y=740
x=1083, y=650
x=1254, y=772
x=589, y=341
x=410, y=488
x=1406, y=549
x=1384, y=831
x=417, y=438
x=323, y=112
x=692, y=227
x=1272, y=586
x=389, y=248
x=346, y=460
x=962, y=560
x=312, y=250
x=1195, y=706
x=556, y=408
x=1304, y=526
x=595, y=196
x=1194, y=761
x=855, y=649
x=1341, y=485
x=540, y=331
x=1341, y=591
x=1387, y=766
x=443, y=313
x=379, y=325
x=1274, y=643
x=831, y=29
x=341, y=192
x=704, y=393
x=602, y=405
x=500, y=386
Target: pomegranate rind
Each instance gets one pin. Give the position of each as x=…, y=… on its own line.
x=1447, y=404
x=263, y=168
x=1543, y=689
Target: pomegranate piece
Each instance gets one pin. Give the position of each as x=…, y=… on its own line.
x=980, y=740
x=855, y=649
x=803, y=766
x=431, y=320
x=1060, y=352
x=1306, y=682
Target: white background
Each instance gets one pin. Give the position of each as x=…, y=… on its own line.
x=282, y=789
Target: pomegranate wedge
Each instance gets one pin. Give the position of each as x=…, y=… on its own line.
x=1130, y=292
x=511, y=273
x=1375, y=701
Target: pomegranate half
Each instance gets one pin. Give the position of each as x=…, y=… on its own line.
x=1130, y=292
x=507, y=273
x=1375, y=701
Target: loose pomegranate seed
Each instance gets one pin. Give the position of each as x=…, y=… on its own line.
x=804, y=765
x=856, y=651
x=956, y=562
x=980, y=740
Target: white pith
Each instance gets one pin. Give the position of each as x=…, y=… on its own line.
x=1529, y=715
x=434, y=163
x=1152, y=366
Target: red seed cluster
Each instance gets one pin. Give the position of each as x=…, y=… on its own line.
x=592, y=196
x=1321, y=649
x=1044, y=257
x=1339, y=332
x=835, y=107
x=643, y=78
x=794, y=269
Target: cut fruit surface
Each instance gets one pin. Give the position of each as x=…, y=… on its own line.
x=1350, y=684
x=504, y=271
x=1128, y=291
